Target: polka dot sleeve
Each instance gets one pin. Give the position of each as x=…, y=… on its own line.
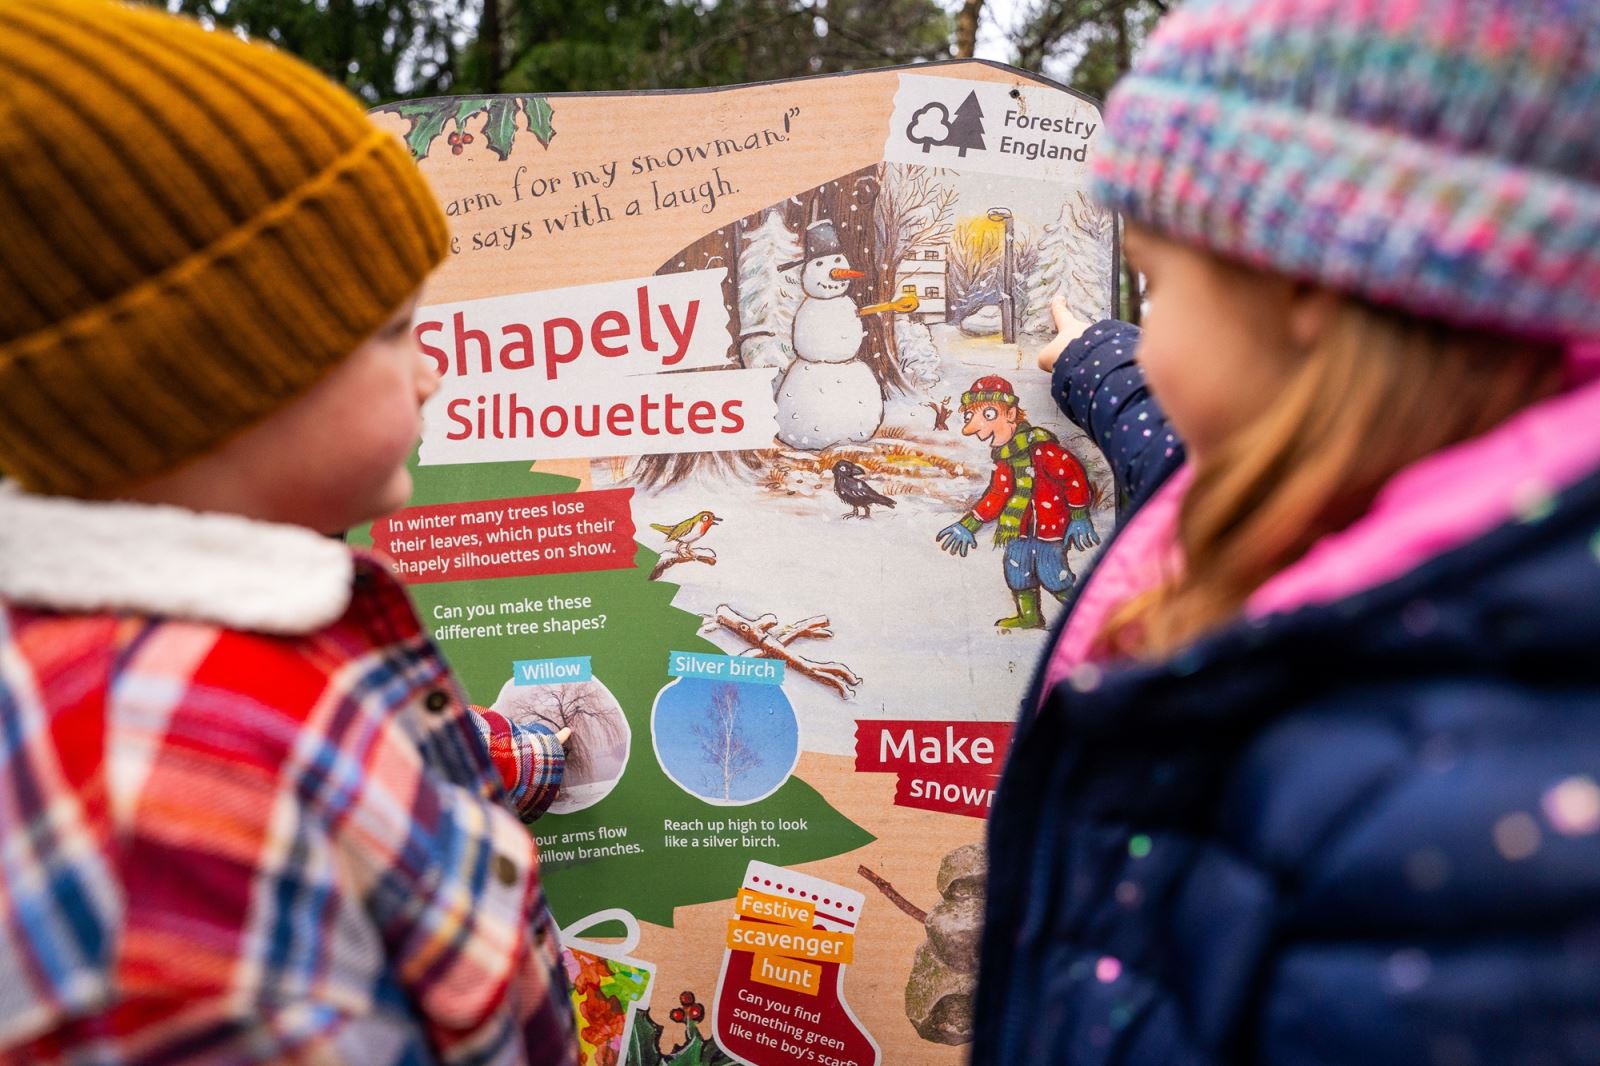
x=1101, y=388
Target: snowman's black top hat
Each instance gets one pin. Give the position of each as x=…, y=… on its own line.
x=821, y=239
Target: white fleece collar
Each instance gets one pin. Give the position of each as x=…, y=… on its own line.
x=67, y=554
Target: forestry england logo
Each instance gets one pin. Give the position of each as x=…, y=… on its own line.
x=934, y=126
x=1038, y=132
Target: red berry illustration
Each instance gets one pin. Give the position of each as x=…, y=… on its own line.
x=686, y=998
x=697, y=1012
x=677, y=1014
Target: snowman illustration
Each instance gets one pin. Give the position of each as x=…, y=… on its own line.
x=827, y=396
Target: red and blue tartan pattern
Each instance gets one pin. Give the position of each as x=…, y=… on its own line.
x=218, y=846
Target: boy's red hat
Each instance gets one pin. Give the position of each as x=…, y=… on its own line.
x=991, y=388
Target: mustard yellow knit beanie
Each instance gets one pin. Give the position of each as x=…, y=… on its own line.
x=193, y=230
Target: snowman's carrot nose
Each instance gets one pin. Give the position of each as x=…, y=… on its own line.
x=840, y=273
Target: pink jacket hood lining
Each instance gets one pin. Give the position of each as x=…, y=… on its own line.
x=1438, y=503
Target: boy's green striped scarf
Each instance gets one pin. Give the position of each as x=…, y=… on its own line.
x=1018, y=454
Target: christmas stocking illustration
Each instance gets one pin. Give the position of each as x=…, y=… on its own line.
x=608, y=987
x=780, y=996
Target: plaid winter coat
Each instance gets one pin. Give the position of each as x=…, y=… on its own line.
x=247, y=813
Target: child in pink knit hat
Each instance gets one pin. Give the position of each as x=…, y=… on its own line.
x=1309, y=773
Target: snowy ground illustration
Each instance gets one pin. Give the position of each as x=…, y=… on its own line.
x=916, y=624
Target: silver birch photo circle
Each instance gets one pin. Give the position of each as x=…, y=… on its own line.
x=724, y=742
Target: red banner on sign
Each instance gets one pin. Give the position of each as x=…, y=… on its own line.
x=883, y=747
x=971, y=795
x=565, y=534
x=941, y=766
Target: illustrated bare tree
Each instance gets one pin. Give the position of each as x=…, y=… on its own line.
x=976, y=253
x=728, y=751
x=913, y=209
x=595, y=720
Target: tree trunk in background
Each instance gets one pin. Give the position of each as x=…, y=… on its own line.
x=343, y=45
x=491, y=46
x=967, y=28
x=1133, y=298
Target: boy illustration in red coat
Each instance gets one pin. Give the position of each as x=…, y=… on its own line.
x=1038, y=497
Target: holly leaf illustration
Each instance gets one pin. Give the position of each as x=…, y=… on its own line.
x=540, y=118
x=644, y=1045
x=468, y=106
x=500, y=128
x=427, y=119
x=697, y=1051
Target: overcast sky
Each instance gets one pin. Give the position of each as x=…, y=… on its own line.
x=998, y=20
x=992, y=43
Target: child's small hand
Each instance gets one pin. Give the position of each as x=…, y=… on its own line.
x=1068, y=329
x=563, y=735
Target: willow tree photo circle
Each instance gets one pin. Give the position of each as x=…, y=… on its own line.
x=728, y=744
x=597, y=753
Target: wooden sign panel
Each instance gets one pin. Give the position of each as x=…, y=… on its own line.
x=741, y=468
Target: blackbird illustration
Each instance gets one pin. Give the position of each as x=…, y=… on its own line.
x=850, y=488
x=688, y=531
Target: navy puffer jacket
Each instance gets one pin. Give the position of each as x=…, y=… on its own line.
x=1360, y=833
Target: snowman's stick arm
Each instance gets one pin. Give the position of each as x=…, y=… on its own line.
x=903, y=304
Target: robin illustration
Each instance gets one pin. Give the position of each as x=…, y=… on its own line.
x=849, y=487
x=688, y=531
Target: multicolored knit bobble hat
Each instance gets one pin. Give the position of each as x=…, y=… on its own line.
x=196, y=230
x=1442, y=156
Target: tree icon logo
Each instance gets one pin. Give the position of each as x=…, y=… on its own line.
x=933, y=124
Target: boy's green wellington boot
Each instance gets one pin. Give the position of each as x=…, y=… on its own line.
x=1027, y=616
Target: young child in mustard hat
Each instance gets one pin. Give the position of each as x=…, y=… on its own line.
x=1311, y=772
x=246, y=814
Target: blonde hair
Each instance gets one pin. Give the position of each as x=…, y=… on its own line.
x=1379, y=390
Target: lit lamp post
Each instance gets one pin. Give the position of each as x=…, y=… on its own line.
x=1008, y=312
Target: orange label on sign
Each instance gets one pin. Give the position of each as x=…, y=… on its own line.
x=769, y=908
x=792, y=974
x=819, y=945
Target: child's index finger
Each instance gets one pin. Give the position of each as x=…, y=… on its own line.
x=1066, y=322
x=1059, y=312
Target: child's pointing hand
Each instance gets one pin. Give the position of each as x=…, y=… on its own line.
x=1068, y=329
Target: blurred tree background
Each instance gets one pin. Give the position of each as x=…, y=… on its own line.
x=385, y=50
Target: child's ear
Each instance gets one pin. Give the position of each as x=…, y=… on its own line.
x=1311, y=312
